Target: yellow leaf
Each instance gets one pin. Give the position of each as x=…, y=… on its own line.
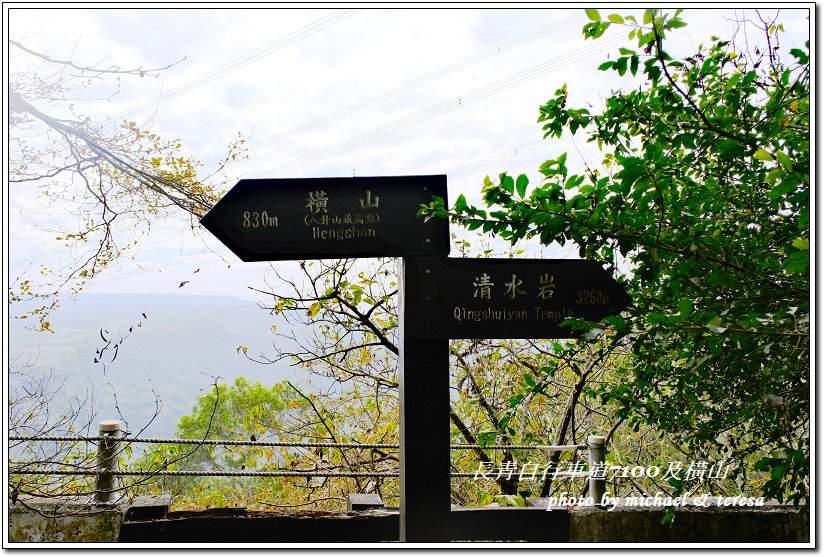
x=763, y=155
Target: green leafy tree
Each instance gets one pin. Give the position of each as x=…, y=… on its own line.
x=702, y=205
x=241, y=411
x=251, y=413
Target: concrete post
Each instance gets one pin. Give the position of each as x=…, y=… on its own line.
x=108, y=449
x=597, y=455
x=364, y=502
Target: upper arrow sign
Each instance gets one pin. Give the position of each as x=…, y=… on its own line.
x=320, y=218
x=507, y=298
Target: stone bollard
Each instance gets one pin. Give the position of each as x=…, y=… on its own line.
x=108, y=449
x=597, y=455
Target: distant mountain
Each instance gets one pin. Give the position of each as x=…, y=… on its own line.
x=146, y=344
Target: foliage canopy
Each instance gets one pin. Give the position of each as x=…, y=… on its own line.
x=702, y=205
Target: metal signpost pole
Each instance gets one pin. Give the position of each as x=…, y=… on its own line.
x=423, y=367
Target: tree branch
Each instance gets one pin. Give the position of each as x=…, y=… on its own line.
x=110, y=70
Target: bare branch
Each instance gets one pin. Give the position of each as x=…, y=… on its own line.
x=91, y=69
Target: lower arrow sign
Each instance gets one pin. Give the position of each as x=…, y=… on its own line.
x=508, y=298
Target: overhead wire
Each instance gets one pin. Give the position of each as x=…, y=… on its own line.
x=497, y=157
x=419, y=81
x=238, y=63
x=450, y=105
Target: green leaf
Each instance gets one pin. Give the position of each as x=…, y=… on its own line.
x=774, y=175
x=798, y=263
x=520, y=185
x=707, y=66
x=784, y=161
x=487, y=438
x=460, y=204
x=507, y=182
x=781, y=189
x=606, y=65
x=715, y=325
x=800, y=54
x=615, y=18
x=685, y=307
x=602, y=27
x=574, y=181
x=593, y=14
x=801, y=244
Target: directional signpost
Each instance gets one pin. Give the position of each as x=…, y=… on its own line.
x=440, y=298
x=319, y=218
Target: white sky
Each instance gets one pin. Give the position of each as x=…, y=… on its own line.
x=382, y=91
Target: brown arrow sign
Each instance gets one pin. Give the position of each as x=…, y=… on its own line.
x=508, y=298
x=318, y=218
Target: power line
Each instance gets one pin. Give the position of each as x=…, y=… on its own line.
x=442, y=108
x=419, y=81
x=240, y=62
x=448, y=106
x=497, y=157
